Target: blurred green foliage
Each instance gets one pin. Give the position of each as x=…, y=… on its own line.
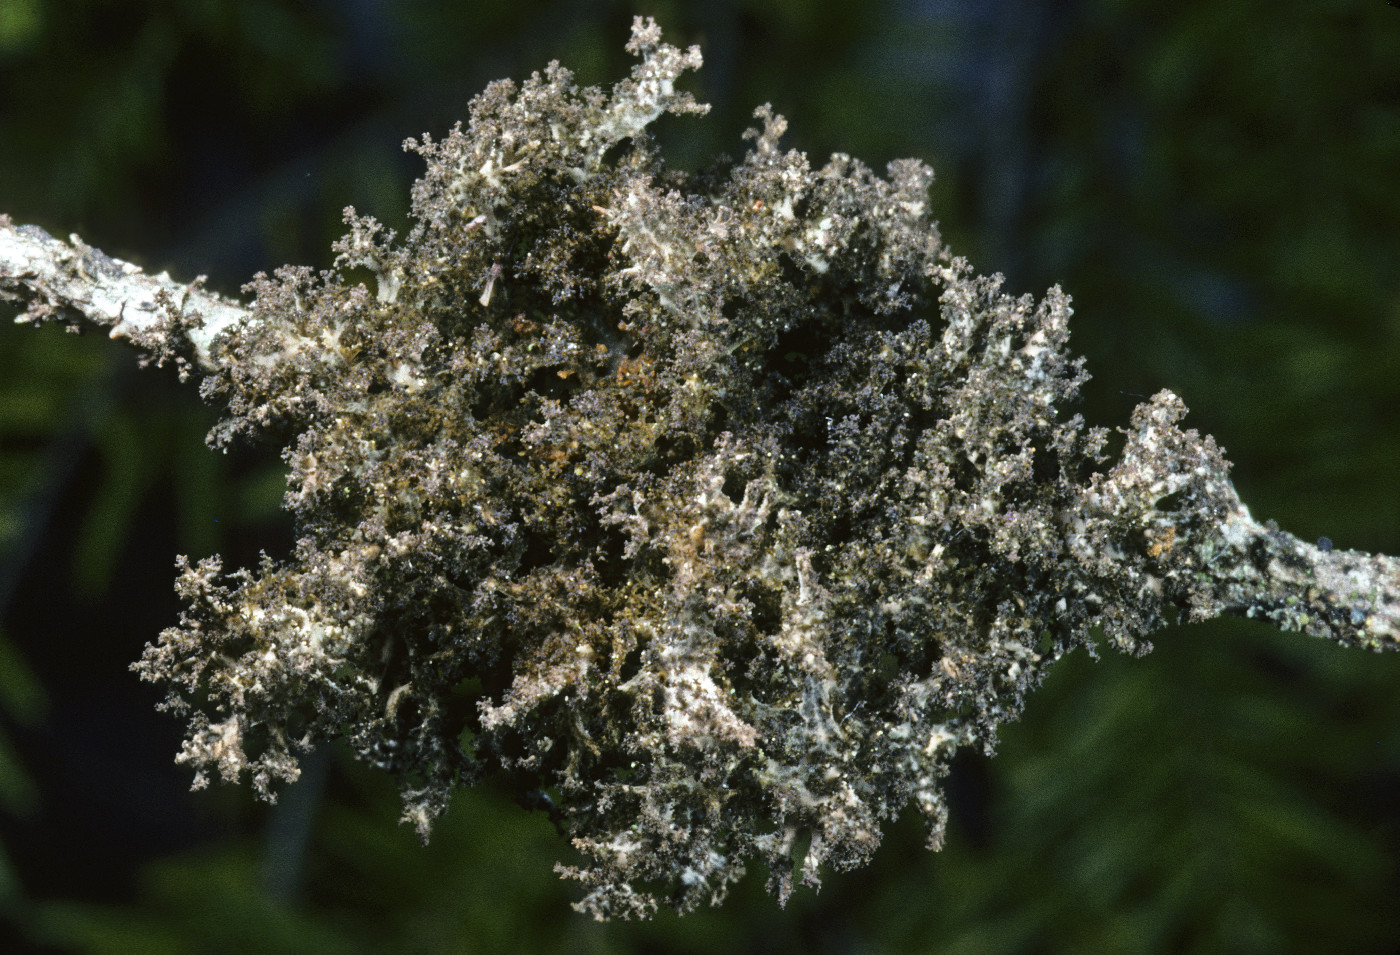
x=1213, y=183
x=21, y=700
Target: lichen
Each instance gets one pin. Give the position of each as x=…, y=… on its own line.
x=720, y=509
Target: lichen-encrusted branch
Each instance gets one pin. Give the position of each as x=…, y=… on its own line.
x=722, y=509
x=1210, y=557
x=73, y=282
x=1348, y=596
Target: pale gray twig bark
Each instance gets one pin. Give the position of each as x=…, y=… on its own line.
x=72, y=281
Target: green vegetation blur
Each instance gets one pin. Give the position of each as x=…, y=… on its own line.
x=1215, y=184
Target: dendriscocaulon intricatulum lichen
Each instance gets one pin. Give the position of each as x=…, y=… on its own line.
x=722, y=508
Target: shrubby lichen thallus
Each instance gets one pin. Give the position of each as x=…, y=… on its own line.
x=723, y=508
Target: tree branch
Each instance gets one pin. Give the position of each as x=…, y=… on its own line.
x=75, y=283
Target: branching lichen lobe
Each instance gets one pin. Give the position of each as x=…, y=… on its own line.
x=723, y=508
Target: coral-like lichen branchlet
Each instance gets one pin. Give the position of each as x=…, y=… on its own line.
x=723, y=509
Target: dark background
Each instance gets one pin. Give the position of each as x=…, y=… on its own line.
x=1216, y=182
